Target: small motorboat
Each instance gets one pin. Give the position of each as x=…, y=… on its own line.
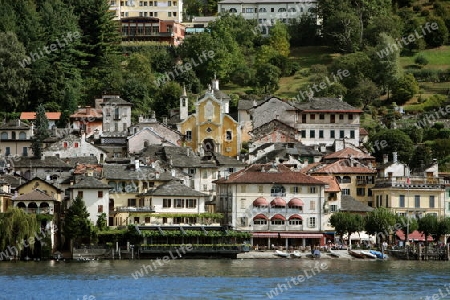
x=356, y=254
x=368, y=254
x=281, y=253
x=378, y=254
x=297, y=254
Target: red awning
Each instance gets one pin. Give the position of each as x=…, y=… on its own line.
x=260, y=216
x=278, y=202
x=295, y=202
x=413, y=236
x=260, y=201
x=302, y=235
x=278, y=217
x=295, y=216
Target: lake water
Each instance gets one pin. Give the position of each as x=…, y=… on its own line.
x=225, y=279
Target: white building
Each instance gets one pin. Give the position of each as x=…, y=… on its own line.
x=162, y=9
x=95, y=195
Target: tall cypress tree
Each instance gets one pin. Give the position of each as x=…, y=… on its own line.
x=76, y=222
x=41, y=131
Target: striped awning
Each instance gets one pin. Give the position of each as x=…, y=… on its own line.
x=287, y=235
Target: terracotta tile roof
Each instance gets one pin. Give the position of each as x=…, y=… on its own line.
x=333, y=185
x=363, y=131
x=344, y=166
x=347, y=152
x=35, y=195
x=32, y=115
x=267, y=173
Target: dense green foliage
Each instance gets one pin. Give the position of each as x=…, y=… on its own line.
x=16, y=226
x=41, y=131
x=76, y=222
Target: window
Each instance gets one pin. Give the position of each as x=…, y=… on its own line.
x=191, y=171
x=260, y=189
x=277, y=222
x=401, y=201
x=243, y=188
x=188, y=135
x=229, y=135
x=387, y=201
x=243, y=204
x=80, y=194
x=332, y=136
x=272, y=9
x=341, y=117
x=294, y=189
x=191, y=203
x=312, y=222
x=312, y=189
x=431, y=201
x=262, y=9
x=230, y=170
x=333, y=208
x=100, y=209
x=332, y=119
x=321, y=117
x=205, y=187
x=100, y=194
x=169, y=14
x=178, y=203
x=169, y=3
x=345, y=191
x=312, y=134
x=4, y=135
x=417, y=201
x=167, y=203
x=13, y=135
x=132, y=202
x=346, y=179
x=295, y=222
x=352, y=134
x=360, y=192
x=312, y=205
x=312, y=116
x=259, y=222
x=303, y=118
x=281, y=9
x=156, y=14
x=320, y=134
x=278, y=190
x=22, y=136
x=341, y=134
x=303, y=132
x=175, y=3
x=205, y=174
x=350, y=117
x=233, y=10
x=292, y=9
x=24, y=151
x=75, y=145
x=65, y=144
x=174, y=14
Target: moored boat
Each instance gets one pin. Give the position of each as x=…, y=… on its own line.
x=296, y=254
x=281, y=253
x=356, y=254
x=368, y=254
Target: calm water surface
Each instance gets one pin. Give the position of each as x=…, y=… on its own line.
x=225, y=279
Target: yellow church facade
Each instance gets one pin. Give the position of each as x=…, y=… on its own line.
x=210, y=128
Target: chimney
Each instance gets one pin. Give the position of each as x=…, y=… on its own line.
x=255, y=104
x=136, y=164
x=394, y=157
x=157, y=175
x=172, y=173
x=385, y=159
x=215, y=83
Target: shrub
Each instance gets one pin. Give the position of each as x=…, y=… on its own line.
x=425, y=13
x=421, y=60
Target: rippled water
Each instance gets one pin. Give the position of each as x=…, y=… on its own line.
x=225, y=279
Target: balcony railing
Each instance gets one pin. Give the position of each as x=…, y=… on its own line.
x=278, y=194
x=39, y=211
x=135, y=209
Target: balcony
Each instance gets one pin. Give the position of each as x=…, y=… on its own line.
x=278, y=194
x=134, y=209
x=412, y=182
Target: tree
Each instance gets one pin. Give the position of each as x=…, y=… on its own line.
x=438, y=37
x=279, y=39
x=41, y=131
x=443, y=227
x=345, y=222
x=404, y=89
x=358, y=66
x=267, y=77
x=16, y=226
x=168, y=97
x=380, y=222
x=392, y=140
x=420, y=157
x=365, y=92
x=304, y=31
x=101, y=222
x=428, y=225
x=76, y=222
x=14, y=79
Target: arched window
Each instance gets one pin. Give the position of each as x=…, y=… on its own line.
x=281, y=9
x=233, y=10
x=346, y=179
x=278, y=191
x=260, y=219
x=4, y=135
x=338, y=179
x=22, y=136
x=292, y=9
x=262, y=9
